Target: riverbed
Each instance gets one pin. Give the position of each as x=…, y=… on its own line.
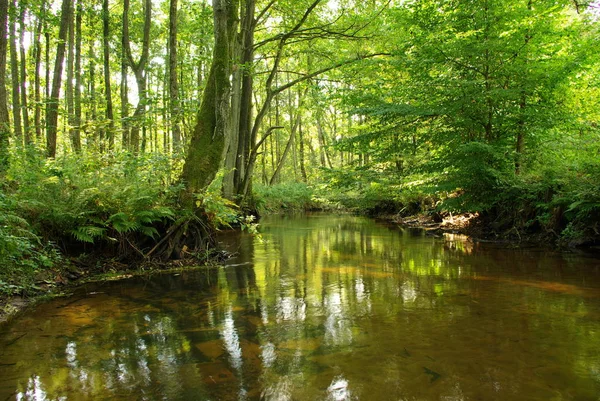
x=323, y=307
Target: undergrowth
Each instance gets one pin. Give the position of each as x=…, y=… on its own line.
x=115, y=206
x=288, y=197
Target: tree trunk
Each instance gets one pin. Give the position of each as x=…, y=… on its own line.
x=301, y=150
x=23, y=78
x=521, y=123
x=14, y=75
x=208, y=141
x=69, y=83
x=77, y=93
x=110, y=130
x=37, y=46
x=288, y=147
x=4, y=118
x=245, y=140
x=173, y=81
x=92, y=96
x=139, y=69
x=52, y=107
x=124, y=105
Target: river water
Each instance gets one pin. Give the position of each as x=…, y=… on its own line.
x=323, y=307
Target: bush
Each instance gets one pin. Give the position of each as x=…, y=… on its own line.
x=286, y=197
x=80, y=199
x=22, y=253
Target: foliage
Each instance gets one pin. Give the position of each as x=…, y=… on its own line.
x=22, y=253
x=220, y=212
x=91, y=199
x=288, y=197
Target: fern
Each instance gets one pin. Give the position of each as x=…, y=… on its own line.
x=88, y=233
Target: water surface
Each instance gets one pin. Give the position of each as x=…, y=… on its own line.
x=323, y=308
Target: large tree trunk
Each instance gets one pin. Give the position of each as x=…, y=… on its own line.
x=52, y=107
x=208, y=141
x=4, y=118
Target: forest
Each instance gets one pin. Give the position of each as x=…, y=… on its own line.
x=131, y=130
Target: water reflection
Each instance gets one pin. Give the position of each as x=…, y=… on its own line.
x=329, y=308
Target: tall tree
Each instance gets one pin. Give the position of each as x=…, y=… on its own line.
x=138, y=68
x=77, y=93
x=4, y=118
x=208, y=141
x=15, y=75
x=23, y=76
x=173, y=81
x=110, y=134
x=37, y=50
x=53, y=101
x=69, y=96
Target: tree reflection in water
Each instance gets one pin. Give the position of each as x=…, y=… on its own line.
x=327, y=307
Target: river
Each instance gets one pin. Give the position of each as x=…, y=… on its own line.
x=323, y=307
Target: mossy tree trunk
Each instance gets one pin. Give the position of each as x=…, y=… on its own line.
x=209, y=139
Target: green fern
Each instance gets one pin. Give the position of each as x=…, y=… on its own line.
x=88, y=233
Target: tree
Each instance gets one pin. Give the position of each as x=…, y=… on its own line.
x=53, y=101
x=4, y=118
x=138, y=68
x=110, y=134
x=173, y=80
x=208, y=141
x=15, y=75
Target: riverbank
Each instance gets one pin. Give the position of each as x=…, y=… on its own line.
x=57, y=282
x=482, y=228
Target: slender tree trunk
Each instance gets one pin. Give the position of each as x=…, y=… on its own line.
x=173, y=81
x=77, y=93
x=288, y=147
x=521, y=123
x=124, y=105
x=14, y=72
x=325, y=159
x=301, y=150
x=110, y=133
x=23, y=79
x=37, y=46
x=245, y=139
x=4, y=117
x=47, y=63
x=52, y=107
x=92, y=96
x=69, y=83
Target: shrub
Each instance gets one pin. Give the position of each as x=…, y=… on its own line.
x=22, y=253
x=286, y=197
